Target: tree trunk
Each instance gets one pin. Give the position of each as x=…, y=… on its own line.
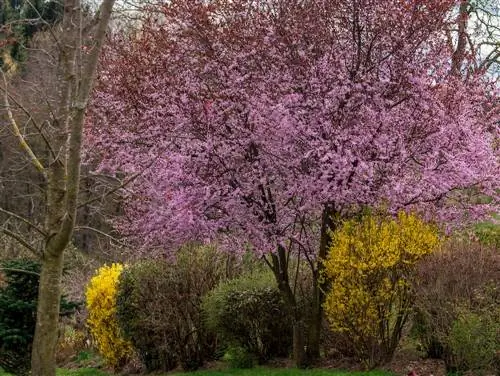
x=279, y=266
x=319, y=287
x=45, y=341
x=299, y=354
x=315, y=323
x=458, y=56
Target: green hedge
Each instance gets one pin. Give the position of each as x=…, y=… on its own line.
x=249, y=313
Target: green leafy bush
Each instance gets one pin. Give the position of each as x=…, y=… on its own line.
x=18, y=301
x=239, y=358
x=249, y=313
x=474, y=339
x=488, y=233
x=457, y=294
x=159, y=308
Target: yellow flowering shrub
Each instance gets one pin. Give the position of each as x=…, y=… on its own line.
x=101, y=305
x=369, y=267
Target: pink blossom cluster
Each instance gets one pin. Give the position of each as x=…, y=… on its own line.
x=247, y=119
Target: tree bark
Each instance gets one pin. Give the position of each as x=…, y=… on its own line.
x=319, y=286
x=279, y=266
x=63, y=173
x=299, y=355
x=459, y=53
x=45, y=341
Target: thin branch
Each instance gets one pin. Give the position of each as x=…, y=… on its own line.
x=22, y=219
x=21, y=241
x=24, y=145
x=97, y=231
x=111, y=191
x=21, y=271
x=492, y=58
x=33, y=121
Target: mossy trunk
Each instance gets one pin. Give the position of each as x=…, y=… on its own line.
x=63, y=171
x=45, y=341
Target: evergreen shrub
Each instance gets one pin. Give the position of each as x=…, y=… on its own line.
x=19, y=281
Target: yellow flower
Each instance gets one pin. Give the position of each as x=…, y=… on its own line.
x=101, y=304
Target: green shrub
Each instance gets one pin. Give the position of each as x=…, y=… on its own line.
x=18, y=301
x=473, y=340
x=159, y=308
x=136, y=295
x=488, y=233
x=457, y=295
x=239, y=358
x=248, y=312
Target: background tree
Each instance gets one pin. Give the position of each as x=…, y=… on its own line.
x=73, y=62
x=474, y=38
x=265, y=124
x=20, y=20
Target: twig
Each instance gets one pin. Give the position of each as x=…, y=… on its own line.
x=97, y=231
x=21, y=241
x=20, y=271
x=22, y=219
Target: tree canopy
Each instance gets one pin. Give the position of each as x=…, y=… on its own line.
x=250, y=119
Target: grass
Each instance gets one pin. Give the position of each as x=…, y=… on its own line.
x=72, y=372
x=81, y=372
x=259, y=371
x=263, y=371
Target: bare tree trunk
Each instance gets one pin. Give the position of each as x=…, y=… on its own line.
x=45, y=341
x=63, y=173
x=299, y=354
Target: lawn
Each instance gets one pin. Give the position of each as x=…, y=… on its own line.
x=72, y=372
x=260, y=371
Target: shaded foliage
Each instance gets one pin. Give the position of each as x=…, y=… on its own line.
x=249, y=313
x=18, y=300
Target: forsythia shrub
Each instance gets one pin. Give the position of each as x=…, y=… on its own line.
x=101, y=304
x=369, y=265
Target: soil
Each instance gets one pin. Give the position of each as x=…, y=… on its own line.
x=404, y=363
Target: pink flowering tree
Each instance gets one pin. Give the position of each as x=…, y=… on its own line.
x=261, y=124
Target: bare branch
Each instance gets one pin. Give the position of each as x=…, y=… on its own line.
x=21, y=241
x=111, y=191
x=22, y=142
x=21, y=271
x=33, y=121
x=46, y=23
x=24, y=220
x=97, y=231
